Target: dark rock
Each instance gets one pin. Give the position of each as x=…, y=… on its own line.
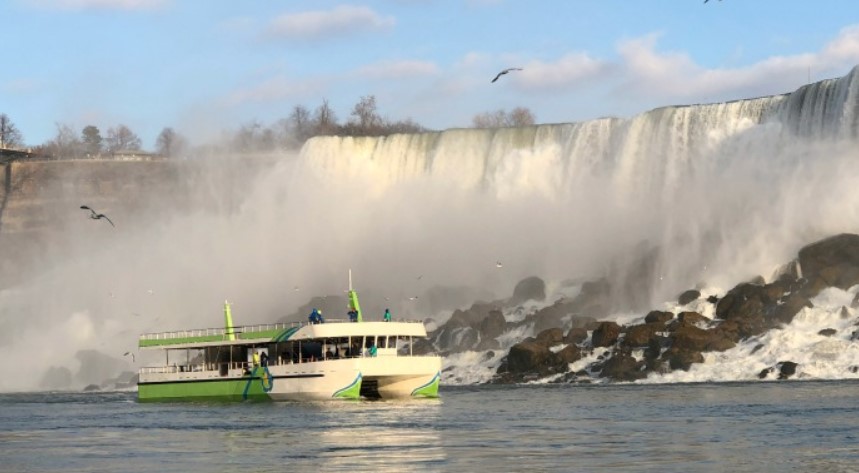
x=493, y=325
x=756, y=348
x=827, y=332
x=688, y=296
x=550, y=337
x=765, y=372
x=532, y=357
x=845, y=312
x=834, y=260
x=606, y=334
x=692, y=318
x=658, y=316
x=682, y=359
x=622, y=367
x=569, y=354
x=757, y=281
x=639, y=335
x=855, y=303
x=576, y=335
x=92, y=387
x=550, y=316
x=786, y=369
x=713, y=299
x=531, y=288
x=688, y=337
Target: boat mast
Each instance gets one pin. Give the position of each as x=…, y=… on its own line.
x=353, y=299
x=228, y=321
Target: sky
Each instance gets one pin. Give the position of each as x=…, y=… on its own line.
x=206, y=66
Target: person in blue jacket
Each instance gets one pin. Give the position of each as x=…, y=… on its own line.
x=315, y=317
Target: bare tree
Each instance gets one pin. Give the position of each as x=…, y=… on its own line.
x=494, y=119
x=122, y=138
x=169, y=143
x=519, y=116
x=10, y=137
x=91, y=140
x=324, y=119
x=367, y=118
x=301, y=124
x=65, y=143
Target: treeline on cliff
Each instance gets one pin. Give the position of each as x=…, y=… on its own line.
x=288, y=133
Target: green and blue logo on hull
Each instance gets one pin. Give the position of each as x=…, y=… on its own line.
x=429, y=389
x=353, y=391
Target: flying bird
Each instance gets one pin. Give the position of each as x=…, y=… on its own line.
x=498, y=264
x=129, y=353
x=95, y=216
x=505, y=71
x=705, y=1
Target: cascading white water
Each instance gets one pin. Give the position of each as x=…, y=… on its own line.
x=737, y=186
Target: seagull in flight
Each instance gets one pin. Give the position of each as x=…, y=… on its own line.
x=498, y=264
x=95, y=216
x=129, y=353
x=505, y=71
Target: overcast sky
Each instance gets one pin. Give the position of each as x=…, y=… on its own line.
x=202, y=66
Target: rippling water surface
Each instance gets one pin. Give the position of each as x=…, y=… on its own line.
x=761, y=427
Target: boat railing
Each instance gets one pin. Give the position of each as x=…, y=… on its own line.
x=223, y=332
x=217, y=332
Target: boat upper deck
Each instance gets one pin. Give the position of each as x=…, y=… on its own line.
x=273, y=333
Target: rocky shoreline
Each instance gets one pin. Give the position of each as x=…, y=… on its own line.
x=569, y=330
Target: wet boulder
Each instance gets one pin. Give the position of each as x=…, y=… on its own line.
x=786, y=369
x=680, y=359
x=569, y=354
x=640, y=335
x=622, y=367
x=688, y=296
x=550, y=337
x=550, y=316
x=835, y=260
x=531, y=357
x=531, y=288
x=659, y=316
x=606, y=334
x=576, y=335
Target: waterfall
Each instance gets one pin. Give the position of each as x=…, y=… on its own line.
x=746, y=180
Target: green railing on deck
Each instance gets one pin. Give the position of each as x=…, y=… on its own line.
x=247, y=332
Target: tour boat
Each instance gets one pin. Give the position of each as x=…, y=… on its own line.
x=331, y=359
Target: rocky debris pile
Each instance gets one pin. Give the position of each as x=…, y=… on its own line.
x=568, y=330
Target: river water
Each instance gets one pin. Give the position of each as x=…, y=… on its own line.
x=756, y=427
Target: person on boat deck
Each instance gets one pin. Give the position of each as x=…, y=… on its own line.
x=353, y=315
x=372, y=351
x=315, y=317
x=387, y=315
x=256, y=358
x=263, y=359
